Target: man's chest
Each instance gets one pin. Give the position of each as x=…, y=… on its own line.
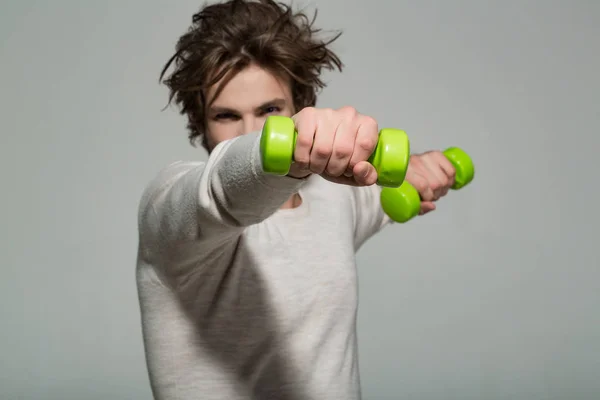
x=302, y=266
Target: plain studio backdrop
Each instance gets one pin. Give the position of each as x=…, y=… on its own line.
x=495, y=295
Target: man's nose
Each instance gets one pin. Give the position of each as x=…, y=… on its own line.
x=252, y=124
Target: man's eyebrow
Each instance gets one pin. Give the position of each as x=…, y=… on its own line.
x=216, y=109
x=274, y=102
x=224, y=110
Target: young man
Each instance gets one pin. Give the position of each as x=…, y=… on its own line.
x=247, y=281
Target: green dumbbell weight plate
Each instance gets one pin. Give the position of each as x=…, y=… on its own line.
x=391, y=157
x=465, y=170
x=402, y=203
x=277, y=144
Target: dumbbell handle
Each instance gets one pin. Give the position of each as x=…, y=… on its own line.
x=403, y=203
x=390, y=157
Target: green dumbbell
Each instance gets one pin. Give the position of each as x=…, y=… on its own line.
x=404, y=203
x=390, y=157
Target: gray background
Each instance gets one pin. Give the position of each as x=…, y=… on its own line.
x=493, y=296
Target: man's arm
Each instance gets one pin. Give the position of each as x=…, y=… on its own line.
x=207, y=205
x=431, y=174
x=369, y=217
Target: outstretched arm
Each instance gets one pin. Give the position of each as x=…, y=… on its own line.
x=207, y=205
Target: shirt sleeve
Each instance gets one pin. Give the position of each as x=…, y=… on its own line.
x=369, y=217
x=191, y=209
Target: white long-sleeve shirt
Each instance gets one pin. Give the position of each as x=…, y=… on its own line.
x=241, y=299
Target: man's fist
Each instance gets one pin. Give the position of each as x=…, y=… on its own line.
x=432, y=175
x=335, y=144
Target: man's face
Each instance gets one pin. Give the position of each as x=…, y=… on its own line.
x=244, y=103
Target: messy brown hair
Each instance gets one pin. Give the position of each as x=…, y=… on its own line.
x=226, y=37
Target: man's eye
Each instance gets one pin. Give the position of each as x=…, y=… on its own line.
x=270, y=110
x=225, y=116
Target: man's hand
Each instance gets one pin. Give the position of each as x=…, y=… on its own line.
x=432, y=175
x=335, y=144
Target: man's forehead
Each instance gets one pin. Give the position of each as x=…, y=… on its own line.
x=248, y=88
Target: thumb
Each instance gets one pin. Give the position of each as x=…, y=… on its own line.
x=426, y=207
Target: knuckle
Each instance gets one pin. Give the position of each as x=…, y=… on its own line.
x=333, y=170
x=322, y=151
x=424, y=159
x=303, y=142
x=308, y=115
x=317, y=167
x=328, y=111
x=440, y=157
x=415, y=160
x=420, y=185
x=315, y=170
x=349, y=111
x=309, y=110
x=301, y=161
x=369, y=122
x=367, y=143
x=342, y=151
